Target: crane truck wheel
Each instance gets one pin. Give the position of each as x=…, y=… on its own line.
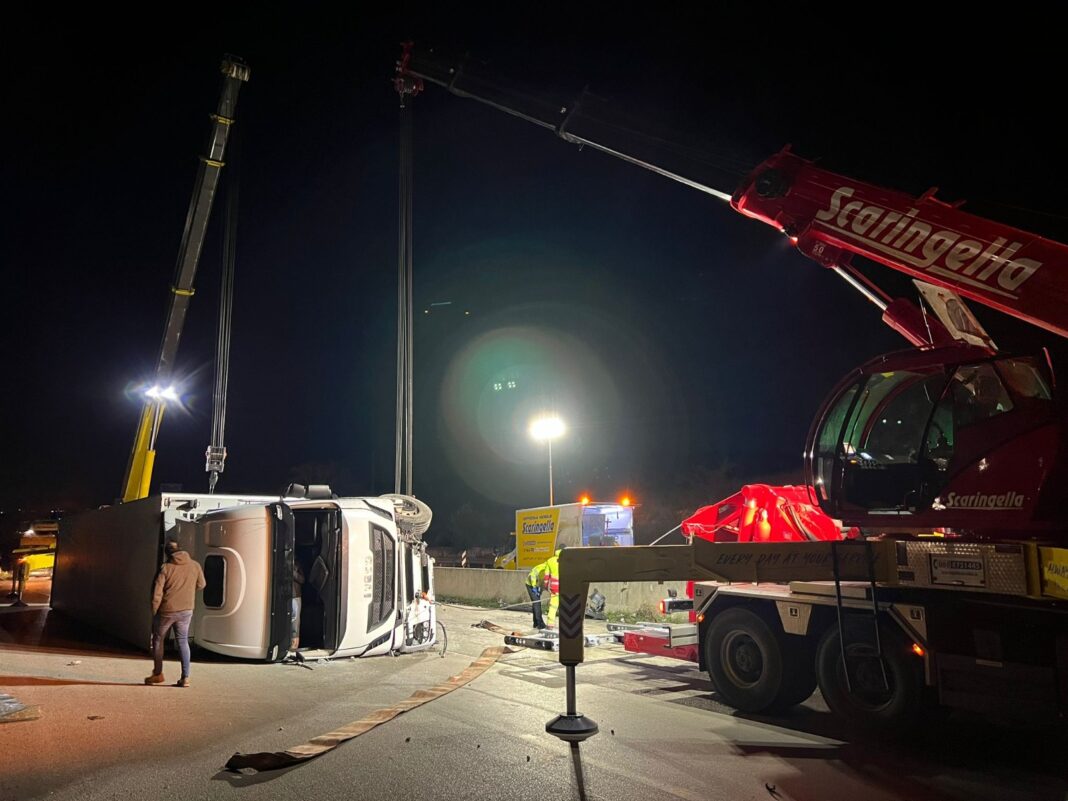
x=745, y=660
x=799, y=672
x=865, y=701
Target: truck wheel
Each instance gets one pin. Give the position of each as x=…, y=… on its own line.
x=411, y=514
x=799, y=672
x=744, y=659
x=866, y=703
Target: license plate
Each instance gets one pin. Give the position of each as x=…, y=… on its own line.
x=958, y=571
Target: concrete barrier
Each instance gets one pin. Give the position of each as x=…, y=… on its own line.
x=506, y=586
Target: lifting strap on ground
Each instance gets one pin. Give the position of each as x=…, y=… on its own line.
x=489, y=625
x=276, y=760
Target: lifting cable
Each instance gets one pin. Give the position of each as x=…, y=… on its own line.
x=407, y=88
x=216, y=454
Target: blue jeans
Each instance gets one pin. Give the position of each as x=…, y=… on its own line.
x=161, y=624
x=294, y=632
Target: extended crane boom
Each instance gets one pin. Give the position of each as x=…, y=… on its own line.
x=142, y=457
x=829, y=217
x=689, y=164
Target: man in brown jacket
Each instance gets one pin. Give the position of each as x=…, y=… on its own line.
x=173, y=599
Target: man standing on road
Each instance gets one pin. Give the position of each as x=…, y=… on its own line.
x=534, y=581
x=173, y=599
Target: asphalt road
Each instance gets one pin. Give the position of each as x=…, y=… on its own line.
x=102, y=734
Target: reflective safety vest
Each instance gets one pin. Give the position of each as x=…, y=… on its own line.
x=552, y=573
x=536, y=576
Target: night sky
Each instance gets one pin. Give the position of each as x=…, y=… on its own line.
x=670, y=332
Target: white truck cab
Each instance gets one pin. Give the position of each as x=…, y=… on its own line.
x=366, y=589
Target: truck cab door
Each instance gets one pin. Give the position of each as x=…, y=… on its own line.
x=247, y=556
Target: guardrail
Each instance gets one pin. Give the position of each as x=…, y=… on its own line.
x=507, y=586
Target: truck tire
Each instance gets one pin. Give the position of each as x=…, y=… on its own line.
x=412, y=515
x=799, y=672
x=745, y=660
x=868, y=706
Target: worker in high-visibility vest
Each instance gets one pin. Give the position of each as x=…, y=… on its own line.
x=534, y=583
x=552, y=583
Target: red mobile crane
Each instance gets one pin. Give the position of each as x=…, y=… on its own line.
x=945, y=462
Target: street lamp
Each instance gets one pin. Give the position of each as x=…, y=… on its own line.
x=545, y=429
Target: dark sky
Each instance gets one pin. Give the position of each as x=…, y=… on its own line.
x=671, y=332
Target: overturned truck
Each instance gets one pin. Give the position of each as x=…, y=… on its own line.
x=368, y=585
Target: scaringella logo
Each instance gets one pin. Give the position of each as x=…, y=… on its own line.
x=950, y=254
x=978, y=500
x=538, y=528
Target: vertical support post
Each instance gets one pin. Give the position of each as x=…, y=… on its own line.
x=572, y=726
x=407, y=87
x=550, y=441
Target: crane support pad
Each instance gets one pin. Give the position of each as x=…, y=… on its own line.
x=276, y=760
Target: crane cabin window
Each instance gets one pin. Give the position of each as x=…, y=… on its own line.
x=885, y=439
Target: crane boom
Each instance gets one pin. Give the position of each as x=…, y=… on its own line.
x=829, y=217
x=142, y=456
x=690, y=164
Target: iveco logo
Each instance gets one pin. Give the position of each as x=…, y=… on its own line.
x=950, y=254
